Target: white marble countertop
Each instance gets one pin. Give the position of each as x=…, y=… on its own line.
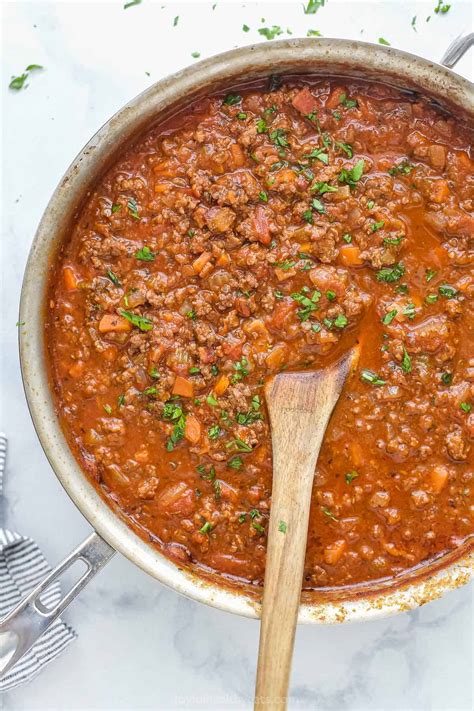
x=140, y=645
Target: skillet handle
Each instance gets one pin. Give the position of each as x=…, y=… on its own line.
x=30, y=619
x=457, y=49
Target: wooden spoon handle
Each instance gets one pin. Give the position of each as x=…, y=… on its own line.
x=293, y=473
x=300, y=405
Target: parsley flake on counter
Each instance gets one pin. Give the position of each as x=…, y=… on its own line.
x=195, y=55
x=131, y=3
x=18, y=82
x=245, y=28
x=442, y=7
x=313, y=6
x=382, y=40
x=313, y=33
x=270, y=32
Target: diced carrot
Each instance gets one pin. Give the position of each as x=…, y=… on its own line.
x=114, y=323
x=356, y=453
x=76, y=370
x=304, y=101
x=238, y=156
x=334, y=98
x=439, y=191
x=71, y=282
x=282, y=275
x=334, y=551
x=183, y=386
x=221, y=385
x=156, y=352
x=192, y=429
x=349, y=255
x=162, y=187
x=438, y=477
x=261, y=225
x=276, y=357
x=223, y=260
x=201, y=261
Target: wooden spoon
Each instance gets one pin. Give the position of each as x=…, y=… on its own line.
x=300, y=405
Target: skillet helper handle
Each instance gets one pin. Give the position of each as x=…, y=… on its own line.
x=30, y=619
x=457, y=49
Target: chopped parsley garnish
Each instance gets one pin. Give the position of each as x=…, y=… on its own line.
x=115, y=208
x=173, y=412
x=308, y=303
x=261, y=126
x=133, y=208
x=108, y=409
x=282, y=527
x=368, y=376
x=353, y=175
x=391, y=274
x=194, y=370
x=346, y=147
x=392, y=240
x=214, y=369
x=247, y=418
x=403, y=168
x=340, y=321
x=214, y=432
x=270, y=32
x=232, y=99
x=318, y=206
x=446, y=378
x=239, y=445
x=465, y=407
x=406, y=362
x=307, y=216
x=235, y=463
x=318, y=153
x=430, y=274
x=211, y=400
x=154, y=372
x=241, y=116
x=447, y=291
x=377, y=226
x=382, y=40
x=144, y=324
x=145, y=254
x=207, y=528
x=350, y=476
x=347, y=238
x=206, y=475
x=113, y=277
x=191, y=314
x=347, y=103
x=278, y=136
x=322, y=188
x=258, y=527
x=327, y=512
x=151, y=390
x=121, y=400
x=241, y=370
x=409, y=311
x=330, y=295
x=370, y=204
x=263, y=196
x=389, y=316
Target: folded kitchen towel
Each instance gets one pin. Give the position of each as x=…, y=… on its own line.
x=22, y=567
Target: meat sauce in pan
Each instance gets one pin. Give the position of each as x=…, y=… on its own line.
x=265, y=230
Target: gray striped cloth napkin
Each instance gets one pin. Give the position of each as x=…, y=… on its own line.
x=22, y=567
